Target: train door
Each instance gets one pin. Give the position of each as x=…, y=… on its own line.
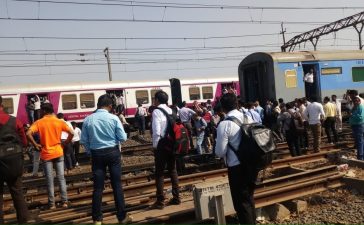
x=229, y=87
x=34, y=101
x=253, y=82
x=312, y=86
x=118, y=97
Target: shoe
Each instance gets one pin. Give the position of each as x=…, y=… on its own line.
x=77, y=164
x=126, y=220
x=51, y=207
x=65, y=205
x=174, y=201
x=157, y=205
x=97, y=222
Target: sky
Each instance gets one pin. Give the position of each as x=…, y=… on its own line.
x=63, y=41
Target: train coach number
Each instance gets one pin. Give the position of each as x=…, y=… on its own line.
x=360, y=62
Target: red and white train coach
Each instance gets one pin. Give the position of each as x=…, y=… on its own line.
x=78, y=100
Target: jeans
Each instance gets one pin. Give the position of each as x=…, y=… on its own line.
x=69, y=155
x=293, y=143
x=199, y=142
x=359, y=142
x=16, y=191
x=102, y=159
x=48, y=170
x=330, y=125
x=31, y=116
x=36, y=159
x=141, y=124
x=76, y=150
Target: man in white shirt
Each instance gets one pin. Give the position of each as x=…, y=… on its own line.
x=69, y=154
x=309, y=80
x=162, y=156
x=76, y=141
x=339, y=119
x=241, y=176
x=314, y=113
x=185, y=114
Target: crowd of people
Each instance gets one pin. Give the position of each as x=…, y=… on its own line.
x=56, y=142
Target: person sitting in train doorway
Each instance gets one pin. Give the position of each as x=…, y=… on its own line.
x=162, y=156
x=309, y=80
x=101, y=135
x=140, y=115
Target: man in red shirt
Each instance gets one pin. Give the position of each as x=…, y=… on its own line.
x=14, y=183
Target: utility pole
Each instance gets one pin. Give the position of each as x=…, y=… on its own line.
x=284, y=38
x=106, y=51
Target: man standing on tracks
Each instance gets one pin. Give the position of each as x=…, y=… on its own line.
x=242, y=177
x=101, y=135
x=50, y=129
x=162, y=156
x=314, y=113
x=185, y=114
x=10, y=174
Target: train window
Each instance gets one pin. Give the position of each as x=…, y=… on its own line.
x=358, y=74
x=194, y=93
x=331, y=71
x=152, y=93
x=87, y=100
x=291, y=78
x=69, y=101
x=142, y=96
x=8, y=105
x=207, y=92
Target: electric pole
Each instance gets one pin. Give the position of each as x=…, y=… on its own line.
x=106, y=51
x=284, y=38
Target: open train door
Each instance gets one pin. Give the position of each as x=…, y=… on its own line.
x=313, y=89
x=176, y=91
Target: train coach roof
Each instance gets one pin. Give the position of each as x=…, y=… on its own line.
x=305, y=56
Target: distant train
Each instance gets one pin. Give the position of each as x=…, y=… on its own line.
x=276, y=75
x=78, y=100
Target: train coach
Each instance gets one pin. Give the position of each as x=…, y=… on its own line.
x=78, y=100
x=264, y=76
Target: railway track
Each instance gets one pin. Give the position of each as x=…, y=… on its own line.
x=139, y=191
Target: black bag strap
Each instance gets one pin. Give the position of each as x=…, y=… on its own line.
x=237, y=122
x=169, y=122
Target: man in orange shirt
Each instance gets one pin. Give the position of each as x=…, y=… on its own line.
x=50, y=129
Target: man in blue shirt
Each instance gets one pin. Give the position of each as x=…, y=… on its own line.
x=101, y=134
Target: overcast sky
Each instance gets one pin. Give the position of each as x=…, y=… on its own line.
x=48, y=42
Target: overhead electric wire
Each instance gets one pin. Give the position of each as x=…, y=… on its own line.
x=189, y=6
x=143, y=38
x=163, y=21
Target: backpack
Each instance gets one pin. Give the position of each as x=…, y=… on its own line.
x=256, y=146
x=11, y=151
x=176, y=138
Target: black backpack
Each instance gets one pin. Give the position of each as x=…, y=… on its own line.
x=11, y=151
x=256, y=146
